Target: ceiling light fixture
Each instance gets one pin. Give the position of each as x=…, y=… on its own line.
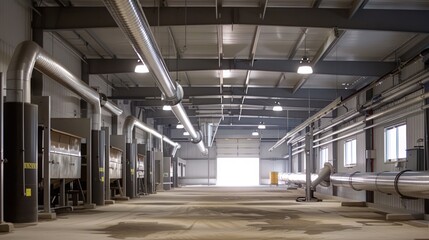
x=185, y=134
x=179, y=126
x=261, y=125
x=277, y=107
x=141, y=67
x=304, y=64
x=255, y=133
x=166, y=108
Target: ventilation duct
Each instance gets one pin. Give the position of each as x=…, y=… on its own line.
x=29, y=55
x=129, y=16
x=131, y=122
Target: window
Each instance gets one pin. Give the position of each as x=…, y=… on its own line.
x=395, y=142
x=350, y=153
x=323, y=157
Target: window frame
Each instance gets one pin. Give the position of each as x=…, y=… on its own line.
x=321, y=160
x=386, y=129
x=351, y=163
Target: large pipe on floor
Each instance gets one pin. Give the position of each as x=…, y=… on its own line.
x=408, y=184
x=322, y=178
x=129, y=16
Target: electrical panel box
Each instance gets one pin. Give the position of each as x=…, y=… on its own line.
x=415, y=159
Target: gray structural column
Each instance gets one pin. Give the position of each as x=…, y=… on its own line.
x=20, y=170
x=106, y=150
x=98, y=167
x=290, y=164
x=309, y=157
x=130, y=164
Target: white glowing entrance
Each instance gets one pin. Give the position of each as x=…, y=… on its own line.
x=237, y=172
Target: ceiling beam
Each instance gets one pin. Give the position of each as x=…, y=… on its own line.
x=357, y=5
x=367, y=19
x=349, y=68
x=135, y=93
x=298, y=43
x=316, y=3
x=232, y=113
x=269, y=122
x=210, y=104
x=332, y=39
x=255, y=44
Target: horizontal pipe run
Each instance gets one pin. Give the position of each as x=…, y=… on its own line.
x=372, y=126
x=408, y=184
x=131, y=122
x=413, y=83
x=338, y=121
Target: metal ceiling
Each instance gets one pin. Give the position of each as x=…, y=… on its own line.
x=235, y=58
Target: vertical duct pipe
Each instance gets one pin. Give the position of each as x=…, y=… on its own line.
x=129, y=16
x=20, y=152
x=130, y=123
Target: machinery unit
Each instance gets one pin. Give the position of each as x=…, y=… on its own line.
x=116, y=171
x=141, y=183
x=65, y=156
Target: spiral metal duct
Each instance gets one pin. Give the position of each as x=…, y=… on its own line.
x=129, y=16
x=29, y=55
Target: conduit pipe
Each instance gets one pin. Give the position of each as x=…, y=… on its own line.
x=374, y=125
x=329, y=108
x=131, y=122
x=29, y=55
x=414, y=83
x=129, y=16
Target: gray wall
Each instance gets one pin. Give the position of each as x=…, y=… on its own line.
x=15, y=27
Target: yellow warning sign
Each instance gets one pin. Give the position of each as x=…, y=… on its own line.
x=30, y=165
x=102, y=179
x=28, y=192
x=132, y=171
x=101, y=169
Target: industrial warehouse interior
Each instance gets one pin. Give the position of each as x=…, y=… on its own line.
x=214, y=119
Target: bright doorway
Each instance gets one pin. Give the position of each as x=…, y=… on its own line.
x=237, y=172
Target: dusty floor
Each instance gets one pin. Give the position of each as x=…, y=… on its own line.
x=221, y=213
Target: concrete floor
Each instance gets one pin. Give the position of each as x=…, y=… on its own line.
x=222, y=213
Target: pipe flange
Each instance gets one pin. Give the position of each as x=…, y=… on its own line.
x=351, y=181
x=103, y=99
x=396, y=184
x=177, y=98
x=199, y=137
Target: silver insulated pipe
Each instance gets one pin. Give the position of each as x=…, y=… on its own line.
x=323, y=178
x=29, y=55
x=131, y=122
x=129, y=16
x=408, y=184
